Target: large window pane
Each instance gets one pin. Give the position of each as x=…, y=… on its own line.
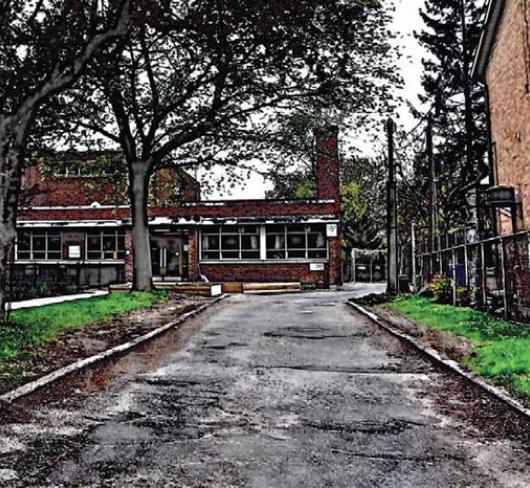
x=39, y=247
x=23, y=245
x=54, y=247
x=211, y=255
x=276, y=242
x=108, y=245
x=210, y=243
x=230, y=243
x=317, y=240
x=315, y=254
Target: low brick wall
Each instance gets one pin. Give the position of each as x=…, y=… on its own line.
x=266, y=273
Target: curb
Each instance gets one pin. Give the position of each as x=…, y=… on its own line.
x=33, y=386
x=436, y=357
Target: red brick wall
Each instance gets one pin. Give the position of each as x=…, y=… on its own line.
x=193, y=255
x=222, y=210
x=327, y=164
x=335, y=261
x=265, y=273
x=50, y=191
x=507, y=77
x=129, y=259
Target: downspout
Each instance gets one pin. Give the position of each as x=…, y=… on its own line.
x=491, y=158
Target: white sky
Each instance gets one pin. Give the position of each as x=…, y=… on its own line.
x=407, y=20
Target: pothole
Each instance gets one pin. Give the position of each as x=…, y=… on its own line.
x=310, y=333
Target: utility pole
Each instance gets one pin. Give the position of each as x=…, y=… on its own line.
x=433, y=201
x=392, y=238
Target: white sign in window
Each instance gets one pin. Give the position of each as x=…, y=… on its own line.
x=74, y=252
x=317, y=267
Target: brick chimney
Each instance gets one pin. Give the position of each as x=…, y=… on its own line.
x=327, y=164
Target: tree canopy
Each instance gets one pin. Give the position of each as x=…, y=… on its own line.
x=212, y=82
x=450, y=36
x=45, y=46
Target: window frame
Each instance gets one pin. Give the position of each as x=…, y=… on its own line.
x=116, y=234
x=227, y=231
x=264, y=253
x=47, y=235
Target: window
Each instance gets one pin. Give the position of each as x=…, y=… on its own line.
x=39, y=245
x=296, y=242
x=105, y=245
x=230, y=243
x=103, y=166
x=281, y=242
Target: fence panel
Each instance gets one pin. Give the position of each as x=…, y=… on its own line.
x=493, y=274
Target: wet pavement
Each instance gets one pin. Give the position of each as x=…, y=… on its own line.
x=267, y=392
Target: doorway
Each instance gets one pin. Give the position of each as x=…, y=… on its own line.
x=167, y=256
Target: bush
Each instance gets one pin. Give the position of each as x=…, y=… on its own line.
x=463, y=297
x=441, y=289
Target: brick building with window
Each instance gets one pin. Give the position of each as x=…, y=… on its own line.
x=502, y=65
x=74, y=221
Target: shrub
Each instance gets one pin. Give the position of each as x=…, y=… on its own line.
x=441, y=289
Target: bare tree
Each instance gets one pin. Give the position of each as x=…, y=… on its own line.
x=45, y=46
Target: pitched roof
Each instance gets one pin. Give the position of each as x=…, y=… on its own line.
x=487, y=40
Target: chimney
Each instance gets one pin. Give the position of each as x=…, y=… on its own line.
x=327, y=164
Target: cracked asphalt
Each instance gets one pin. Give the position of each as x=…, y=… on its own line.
x=267, y=392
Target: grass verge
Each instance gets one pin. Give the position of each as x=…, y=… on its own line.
x=502, y=349
x=36, y=326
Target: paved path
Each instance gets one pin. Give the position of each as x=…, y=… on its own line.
x=269, y=392
x=40, y=302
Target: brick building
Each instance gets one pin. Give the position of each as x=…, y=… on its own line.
x=502, y=65
x=75, y=220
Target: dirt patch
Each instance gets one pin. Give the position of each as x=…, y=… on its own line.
x=456, y=348
x=486, y=415
x=480, y=413
x=82, y=343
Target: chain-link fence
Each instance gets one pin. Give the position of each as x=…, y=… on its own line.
x=493, y=274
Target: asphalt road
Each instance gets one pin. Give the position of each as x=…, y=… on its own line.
x=268, y=392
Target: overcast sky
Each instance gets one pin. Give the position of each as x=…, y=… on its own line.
x=407, y=20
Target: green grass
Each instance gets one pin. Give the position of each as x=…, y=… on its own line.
x=502, y=349
x=35, y=326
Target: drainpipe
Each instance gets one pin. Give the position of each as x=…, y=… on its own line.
x=491, y=158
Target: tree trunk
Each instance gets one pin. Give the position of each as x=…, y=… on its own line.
x=139, y=174
x=9, y=194
x=4, y=279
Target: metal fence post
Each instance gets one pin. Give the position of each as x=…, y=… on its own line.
x=504, y=283
x=413, y=252
x=483, y=279
x=440, y=256
x=354, y=266
x=466, y=264
x=454, y=275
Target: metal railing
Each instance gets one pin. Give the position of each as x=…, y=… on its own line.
x=37, y=280
x=493, y=274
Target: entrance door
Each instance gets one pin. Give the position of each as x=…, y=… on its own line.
x=166, y=256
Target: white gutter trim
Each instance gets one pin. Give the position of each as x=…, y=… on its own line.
x=227, y=203
x=167, y=221
x=68, y=223
x=77, y=207
x=223, y=203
